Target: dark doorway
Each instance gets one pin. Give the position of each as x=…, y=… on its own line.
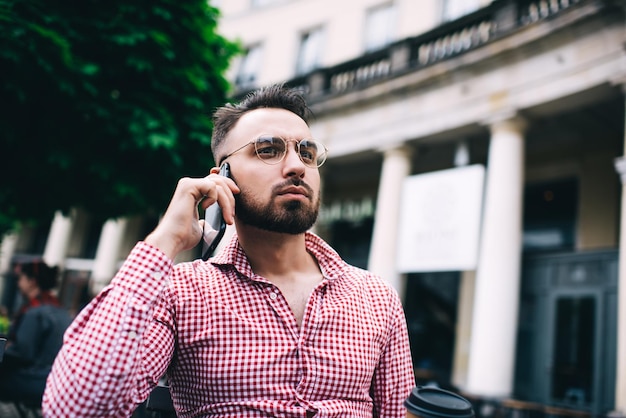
x=430, y=306
x=351, y=239
x=567, y=335
x=573, y=349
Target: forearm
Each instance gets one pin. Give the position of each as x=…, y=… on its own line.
x=394, y=377
x=103, y=368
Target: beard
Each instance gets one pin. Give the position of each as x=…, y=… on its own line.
x=294, y=217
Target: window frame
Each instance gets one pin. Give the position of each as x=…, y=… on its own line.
x=249, y=67
x=381, y=36
x=310, y=50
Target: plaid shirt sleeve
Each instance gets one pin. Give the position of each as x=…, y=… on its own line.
x=394, y=377
x=103, y=368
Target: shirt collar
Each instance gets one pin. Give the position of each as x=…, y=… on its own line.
x=331, y=264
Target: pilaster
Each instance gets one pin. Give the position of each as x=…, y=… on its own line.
x=495, y=309
x=58, y=239
x=382, y=258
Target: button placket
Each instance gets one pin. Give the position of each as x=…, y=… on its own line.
x=279, y=305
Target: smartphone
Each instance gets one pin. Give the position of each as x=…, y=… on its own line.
x=214, y=224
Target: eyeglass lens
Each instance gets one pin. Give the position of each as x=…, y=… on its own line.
x=273, y=149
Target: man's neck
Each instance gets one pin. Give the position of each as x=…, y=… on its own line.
x=283, y=260
x=273, y=254
x=33, y=293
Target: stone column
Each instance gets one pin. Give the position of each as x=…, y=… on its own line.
x=463, y=332
x=620, y=383
x=7, y=249
x=382, y=257
x=58, y=239
x=494, y=319
x=107, y=254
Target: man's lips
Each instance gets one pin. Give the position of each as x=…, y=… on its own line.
x=293, y=190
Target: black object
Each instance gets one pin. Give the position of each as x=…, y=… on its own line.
x=433, y=402
x=214, y=225
x=160, y=403
x=3, y=342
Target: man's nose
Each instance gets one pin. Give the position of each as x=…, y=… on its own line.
x=293, y=162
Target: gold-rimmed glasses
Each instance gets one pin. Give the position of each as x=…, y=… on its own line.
x=272, y=149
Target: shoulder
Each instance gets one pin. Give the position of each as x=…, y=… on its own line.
x=46, y=310
x=231, y=261
x=189, y=278
x=48, y=315
x=370, y=283
x=347, y=275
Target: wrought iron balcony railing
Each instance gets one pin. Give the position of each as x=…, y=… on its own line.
x=500, y=18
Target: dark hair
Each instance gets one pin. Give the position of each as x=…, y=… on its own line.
x=275, y=96
x=44, y=275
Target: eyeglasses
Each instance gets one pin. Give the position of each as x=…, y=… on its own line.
x=272, y=150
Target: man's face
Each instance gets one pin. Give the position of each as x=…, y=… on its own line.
x=25, y=284
x=283, y=197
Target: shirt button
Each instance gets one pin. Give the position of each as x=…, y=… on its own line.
x=273, y=295
x=158, y=275
x=132, y=335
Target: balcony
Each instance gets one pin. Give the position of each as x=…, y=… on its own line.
x=449, y=40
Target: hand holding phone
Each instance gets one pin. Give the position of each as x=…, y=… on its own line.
x=214, y=224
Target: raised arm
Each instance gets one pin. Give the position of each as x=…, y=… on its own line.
x=114, y=352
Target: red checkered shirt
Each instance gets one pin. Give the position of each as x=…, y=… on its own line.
x=230, y=345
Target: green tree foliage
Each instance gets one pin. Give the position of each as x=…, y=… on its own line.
x=105, y=104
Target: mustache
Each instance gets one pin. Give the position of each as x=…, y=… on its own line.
x=294, y=182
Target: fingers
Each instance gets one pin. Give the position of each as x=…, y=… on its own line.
x=180, y=228
x=220, y=189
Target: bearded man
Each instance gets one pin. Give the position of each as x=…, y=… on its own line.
x=275, y=325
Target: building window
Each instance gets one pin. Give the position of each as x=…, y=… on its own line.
x=261, y=3
x=379, y=26
x=249, y=68
x=309, y=52
x=550, y=210
x=454, y=9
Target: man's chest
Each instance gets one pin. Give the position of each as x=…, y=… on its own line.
x=297, y=297
x=254, y=341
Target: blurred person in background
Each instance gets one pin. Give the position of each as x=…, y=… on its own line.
x=35, y=335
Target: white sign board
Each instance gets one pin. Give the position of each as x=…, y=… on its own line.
x=440, y=217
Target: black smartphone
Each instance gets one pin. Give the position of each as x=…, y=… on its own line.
x=214, y=224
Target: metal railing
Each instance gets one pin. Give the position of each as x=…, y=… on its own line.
x=472, y=31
